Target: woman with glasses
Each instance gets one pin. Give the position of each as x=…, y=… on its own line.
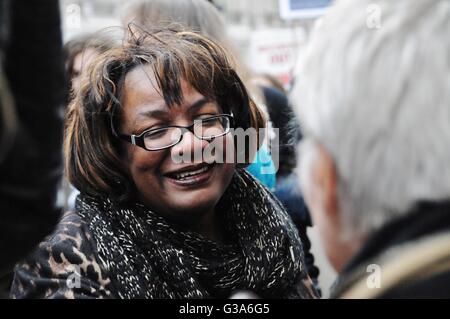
x=154, y=144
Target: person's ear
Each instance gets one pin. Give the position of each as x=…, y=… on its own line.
x=326, y=180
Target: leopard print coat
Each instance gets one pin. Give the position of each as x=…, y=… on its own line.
x=66, y=265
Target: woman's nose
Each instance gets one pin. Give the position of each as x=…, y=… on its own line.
x=189, y=149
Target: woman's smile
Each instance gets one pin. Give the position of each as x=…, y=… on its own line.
x=191, y=176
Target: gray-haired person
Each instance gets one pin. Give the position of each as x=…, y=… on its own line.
x=373, y=98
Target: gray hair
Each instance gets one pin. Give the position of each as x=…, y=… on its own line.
x=198, y=15
x=377, y=97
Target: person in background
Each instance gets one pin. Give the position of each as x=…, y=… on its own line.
x=268, y=80
x=80, y=51
x=147, y=225
x=287, y=189
x=374, y=106
x=31, y=93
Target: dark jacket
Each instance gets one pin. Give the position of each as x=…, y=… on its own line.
x=410, y=258
x=30, y=170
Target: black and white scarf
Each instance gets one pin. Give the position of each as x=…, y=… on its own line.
x=149, y=257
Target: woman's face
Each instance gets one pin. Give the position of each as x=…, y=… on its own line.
x=156, y=174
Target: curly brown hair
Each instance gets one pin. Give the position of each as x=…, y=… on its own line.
x=93, y=154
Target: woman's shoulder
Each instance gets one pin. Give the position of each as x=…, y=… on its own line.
x=71, y=235
x=65, y=265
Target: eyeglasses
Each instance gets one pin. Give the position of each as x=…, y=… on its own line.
x=165, y=137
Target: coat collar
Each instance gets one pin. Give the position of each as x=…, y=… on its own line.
x=427, y=219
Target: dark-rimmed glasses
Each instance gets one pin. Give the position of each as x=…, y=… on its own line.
x=165, y=137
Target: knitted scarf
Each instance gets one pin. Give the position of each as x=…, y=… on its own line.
x=150, y=257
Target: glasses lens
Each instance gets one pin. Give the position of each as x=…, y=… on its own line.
x=212, y=127
x=162, y=138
